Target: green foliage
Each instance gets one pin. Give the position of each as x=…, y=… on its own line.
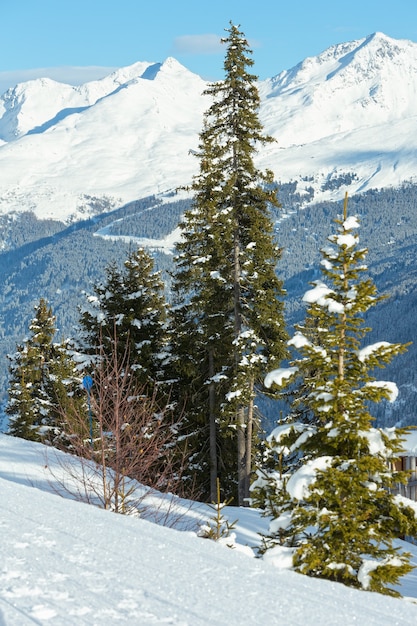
x=227, y=314
x=42, y=379
x=331, y=496
x=129, y=305
x=217, y=527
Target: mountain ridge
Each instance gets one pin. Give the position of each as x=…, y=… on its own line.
x=13, y=101
x=133, y=133
x=317, y=83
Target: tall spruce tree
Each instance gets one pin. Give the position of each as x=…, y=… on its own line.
x=227, y=314
x=128, y=311
x=331, y=493
x=42, y=378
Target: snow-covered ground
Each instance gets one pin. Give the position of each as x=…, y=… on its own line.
x=66, y=562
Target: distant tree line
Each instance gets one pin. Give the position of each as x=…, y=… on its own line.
x=60, y=262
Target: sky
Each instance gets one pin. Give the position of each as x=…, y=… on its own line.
x=69, y=563
x=78, y=40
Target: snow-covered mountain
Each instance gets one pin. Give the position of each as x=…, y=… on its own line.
x=123, y=137
x=346, y=116
x=351, y=109
x=29, y=105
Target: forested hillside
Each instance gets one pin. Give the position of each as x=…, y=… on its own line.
x=388, y=228
x=46, y=258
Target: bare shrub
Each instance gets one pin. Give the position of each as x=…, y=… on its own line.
x=126, y=444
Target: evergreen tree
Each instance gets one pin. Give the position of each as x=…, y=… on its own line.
x=331, y=493
x=65, y=399
x=130, y=307
x=227, y=316
x=21, y=406
x=42, y=377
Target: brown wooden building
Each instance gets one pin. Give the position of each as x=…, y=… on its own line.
x=408, y=462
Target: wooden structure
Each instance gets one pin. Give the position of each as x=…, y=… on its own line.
x=408, y=462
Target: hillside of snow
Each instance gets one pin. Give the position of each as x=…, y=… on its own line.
x=123, y=146
x=349, y=111
x=64, y=562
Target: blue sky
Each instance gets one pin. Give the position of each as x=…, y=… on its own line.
x=74, y=40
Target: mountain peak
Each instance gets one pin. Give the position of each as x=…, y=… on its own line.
x=32, y=104
x=27, y=104
x=374, y=51
x=378, y=37
x=370, y=58
x=173, y=67
x=124, y=74
x=172, y=71
x=169, y=68
x=172, y=64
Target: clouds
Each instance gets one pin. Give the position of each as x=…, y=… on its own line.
x=72, y=75
x=198, y=44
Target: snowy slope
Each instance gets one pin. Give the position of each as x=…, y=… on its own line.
x=30, y=105
x=350, y=110
x=349, y=86
x=129, y=144
x=64, y=562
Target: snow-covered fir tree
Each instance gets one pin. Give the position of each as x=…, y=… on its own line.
x=43, y=378
x=331, y=493
x=128, y=310
x=227, y=315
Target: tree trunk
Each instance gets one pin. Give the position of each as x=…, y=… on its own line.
x=240, y=413
x=213, y=429
x=248, y=437
x=241, y=456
